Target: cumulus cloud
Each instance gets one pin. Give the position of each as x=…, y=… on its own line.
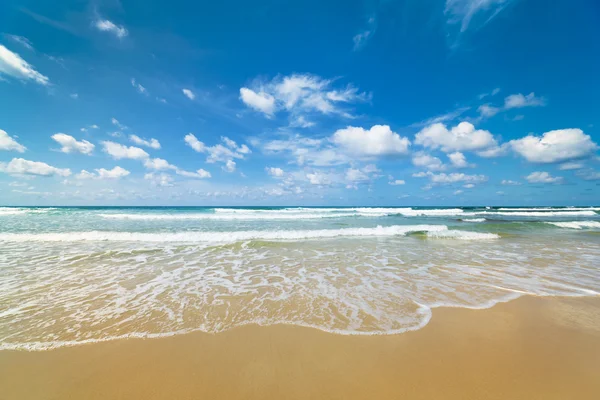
x=510, y=183
x=496, y=151
x=463, y=137
x=458, y=160
x=301, y=94
x=119, y=151
x=152, y=143
x=20, y=166
x=379, y=140
x=71, y=145
x=189, y=94
x=274, y=171
x=105, y=25
x=424, y=160
x=159, y=164
x=229, y=166
x=261, y=101
x=555, y=146
x=115, y=173
x=10, y=144
x=318, y=178
x=542, y=177
x=11, y=64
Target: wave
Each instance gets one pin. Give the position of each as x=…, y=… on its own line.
x=576, y=224
x=24, y=210
x=551, y=209
x=539, y=213
x=473, y=220
x=223, y=217
x=217, y=237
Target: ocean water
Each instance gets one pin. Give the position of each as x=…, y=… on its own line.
x=77, y=275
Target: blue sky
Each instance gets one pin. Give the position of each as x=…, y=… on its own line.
x=397, y=102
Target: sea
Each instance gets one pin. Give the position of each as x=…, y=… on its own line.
x=76, y=275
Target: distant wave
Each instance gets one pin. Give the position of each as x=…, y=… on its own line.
x=235, y=236
x=539, y=213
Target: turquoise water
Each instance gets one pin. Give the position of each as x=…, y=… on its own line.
x=73, y=275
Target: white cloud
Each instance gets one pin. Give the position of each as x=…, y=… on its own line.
x=199, y=174
x=487, y=111
x=571, y=166
x=74, y=96
x=105, y=25
x=555, y=146
x=8, y=143
x=229, y=166
x=83, y=175
x=274, y=171
x=115, y=173
x=194, y=143
x=139, y=87
x=469, y=186
x=397, y=182
x=318, y=178
x=18, y=184
x=588, y=174
x=380, y=140
x=542, y=177
x=189, y=94
x=454, y=177
x=260, y=101
x=19, y=166
x=496, y=151
x=457, y=192
x=119, y=151
x=508, y=182
x=158, y=164
x=71, y=145
x=519, y=100
x=458, y=160
x=301, y=94
x=463, y=137
x=218, y=152
x=424, y=160
x=356, y=175
x=11, y=64
x=152, y=143
x=163, y=180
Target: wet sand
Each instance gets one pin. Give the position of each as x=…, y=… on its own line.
x=530, y=348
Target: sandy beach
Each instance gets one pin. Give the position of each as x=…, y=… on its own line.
x=530, y=348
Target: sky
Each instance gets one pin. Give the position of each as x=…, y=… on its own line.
x=396, y=102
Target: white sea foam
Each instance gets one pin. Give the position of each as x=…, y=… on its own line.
x=576, y=224
x=473, y=220
x=551, y=209
x=216, y=236
x=23, y=210
x=462, y=235
x=539, y=213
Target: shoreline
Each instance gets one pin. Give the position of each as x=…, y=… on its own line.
x=531, y=347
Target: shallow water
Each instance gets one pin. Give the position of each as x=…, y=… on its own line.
x=78, y=275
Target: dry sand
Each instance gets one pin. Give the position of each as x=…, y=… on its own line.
x=531, y=348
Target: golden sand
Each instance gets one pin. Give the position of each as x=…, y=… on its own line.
x=531, y=348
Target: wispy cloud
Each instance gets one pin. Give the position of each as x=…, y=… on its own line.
x=105, y=25
x=13, y=65
x=360, y=40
